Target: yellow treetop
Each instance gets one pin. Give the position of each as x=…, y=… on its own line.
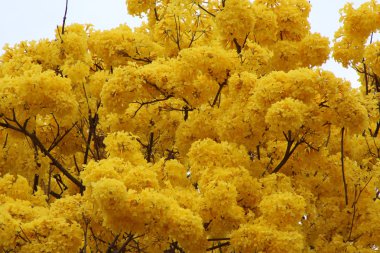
x=209, y=128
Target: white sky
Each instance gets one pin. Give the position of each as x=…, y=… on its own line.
x=33, y=20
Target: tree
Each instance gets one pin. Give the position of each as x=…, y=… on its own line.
x=209, y=128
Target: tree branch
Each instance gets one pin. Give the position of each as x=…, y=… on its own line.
x=150, y=102
x=64, y=17
x=354, y=203
x=342, y=163
x=220, y=245
x=32, y=136
x=125, y=54
x=219, y=92
x=288, y=152
x=211, y=14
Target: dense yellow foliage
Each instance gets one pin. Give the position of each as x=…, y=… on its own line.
x=209, y=128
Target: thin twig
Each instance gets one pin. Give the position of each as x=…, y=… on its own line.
x=64, y=17
x=5, y=141
x=219, y=92
x=354, y=206
x=211, y=14
x=342, y=163
x=125, y=244
x=220, y=245
x=58, y=139
x=289, y=150
x=125, y=54
x=112, y=245
x=150, y=102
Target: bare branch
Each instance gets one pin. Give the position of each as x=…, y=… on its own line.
x=211, y=14
x=354, y=206
x=342, y=164
x=125, y=244
x=219, y=92
x=36, y=141
x=35, y=182
x=5, y=141
x=58, y=138
x=290, y=148
x=112, y=245
x=150, y=102
x=220, y=245
x=125, y=54
x=64, y=17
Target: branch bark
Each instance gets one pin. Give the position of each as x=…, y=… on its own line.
x=342, y=164
x=288, y=152
x=64, y=17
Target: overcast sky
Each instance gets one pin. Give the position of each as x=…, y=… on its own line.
x=33, y=20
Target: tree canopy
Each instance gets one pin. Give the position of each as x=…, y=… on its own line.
x=211, y=127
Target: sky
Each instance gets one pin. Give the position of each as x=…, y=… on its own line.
x=37, y=19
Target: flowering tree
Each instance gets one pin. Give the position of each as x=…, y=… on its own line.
x=208, y=128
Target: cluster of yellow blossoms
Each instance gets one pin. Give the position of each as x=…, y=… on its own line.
x=208, y=128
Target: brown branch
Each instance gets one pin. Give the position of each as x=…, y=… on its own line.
x=112, y=245
x=369, y=148
x=125, y=54
x=245, y=40
x=5, y=141
x=356, y=199
x=238, y=47
x=178, y=32
x=376, y=132
x=194, y=36
x=171, y=154
x=163, y=92
x=311, y=146
x=219, y=92
x=365, y=78
x=35, y=140
x=323, y=104
x=49, y=183
x=377, y=148
x=96, y=239
x=220, y=245
x=125, y=244
x=26, y=239
x=258, y=151
x=342, y=163
x=156, y=14
x=64, y=18
x=85, y=233
x=211, y=14
x=218, y=239
x=93, y=122
x=185, y=110
x=328, y=135
x=35, y=182
x=150, y=102
x=354, y=203
x=76, y=164
x=55, y=195
x=174, y=247
x=58, y=138
x=377, y=82
x=149, y=148
x=289, y=150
